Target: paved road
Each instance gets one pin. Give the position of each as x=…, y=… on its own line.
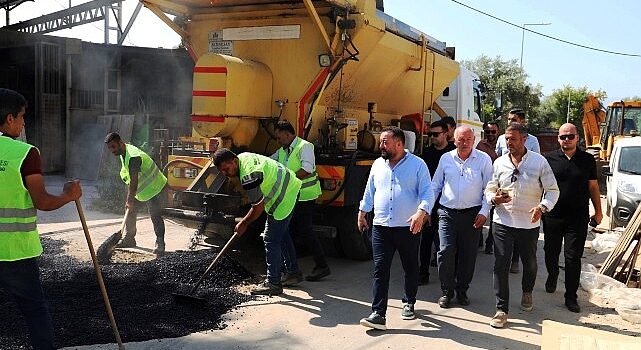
x=325, y=315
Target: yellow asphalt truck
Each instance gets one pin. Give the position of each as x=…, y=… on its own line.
x=338, y=70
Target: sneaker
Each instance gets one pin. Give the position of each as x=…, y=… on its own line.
x=499, y=320
x=423, y=278
x=318, y=273
x=572, y=305
x=526, y=302
x=408, y=312
x=514, y=268
x=267, y=288
x=292, y=279
x=550, y=284
x=375, y=321
x=462, y=299
x=159, y=248
x=127, y=242
x=445, y=300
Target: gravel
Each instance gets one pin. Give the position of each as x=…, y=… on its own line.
x=140, y=296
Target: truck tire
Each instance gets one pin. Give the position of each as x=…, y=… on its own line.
x=355, y=245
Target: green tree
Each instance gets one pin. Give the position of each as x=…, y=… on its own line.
x=510, y=80
x=554, y=112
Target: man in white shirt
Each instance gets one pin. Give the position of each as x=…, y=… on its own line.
x=460, y=179
x=516, y=115
x=522, y=188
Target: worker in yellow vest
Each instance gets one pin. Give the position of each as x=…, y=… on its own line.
x=22, y=191
x=145, y=184
x=298, y=156
x=271, y=188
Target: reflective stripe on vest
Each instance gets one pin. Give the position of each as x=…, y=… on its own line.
x=18, y=217
x=310, y=188
x=150, y=180
x=279, y=186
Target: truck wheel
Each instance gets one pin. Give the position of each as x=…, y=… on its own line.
x=355, y=245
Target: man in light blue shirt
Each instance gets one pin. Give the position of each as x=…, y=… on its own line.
x=398, y=190
x=517, y=115
x=460, y=179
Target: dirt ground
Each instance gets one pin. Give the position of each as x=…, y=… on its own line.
x=325, y=314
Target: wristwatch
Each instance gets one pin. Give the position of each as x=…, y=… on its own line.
x=543, y=208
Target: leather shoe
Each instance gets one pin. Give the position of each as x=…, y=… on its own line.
x=445, y=301
x=318, y=273
x=462, y=299
x=550, y=284
x=572, y=305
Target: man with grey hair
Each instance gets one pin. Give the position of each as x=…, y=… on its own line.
x=460, y=180
x=522, y=188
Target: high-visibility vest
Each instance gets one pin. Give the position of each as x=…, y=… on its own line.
x=18, y=229
x=310, y=189
x=150, y=180
x=279, y=187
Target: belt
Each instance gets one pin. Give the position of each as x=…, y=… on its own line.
x=461, y=211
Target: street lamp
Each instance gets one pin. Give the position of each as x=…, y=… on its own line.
x=523, y=37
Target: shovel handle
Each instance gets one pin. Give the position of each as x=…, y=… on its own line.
x=101, y=282
x=215, y=262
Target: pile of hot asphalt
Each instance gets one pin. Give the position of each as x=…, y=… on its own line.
x=140, y=296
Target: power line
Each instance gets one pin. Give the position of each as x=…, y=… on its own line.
x=545, y=35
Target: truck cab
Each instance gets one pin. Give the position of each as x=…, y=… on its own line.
x=623, y=180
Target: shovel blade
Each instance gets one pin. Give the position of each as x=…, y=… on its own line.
x=187, y=299
x=107, y=248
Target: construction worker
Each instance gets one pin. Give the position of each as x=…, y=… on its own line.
x=22, y=192
x=298, y=156
x=145, y=183
x=272, y=188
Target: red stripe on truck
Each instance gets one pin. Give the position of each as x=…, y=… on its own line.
x=209, y=93
x=207, y=118
x=214, y=70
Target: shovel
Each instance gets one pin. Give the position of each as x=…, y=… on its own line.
x=107, y=248
x=101, y=283
x=190, y=298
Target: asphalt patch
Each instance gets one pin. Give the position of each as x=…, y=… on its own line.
x=140, y=296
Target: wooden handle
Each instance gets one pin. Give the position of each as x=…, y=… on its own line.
x=101, y=283
x=215, y=262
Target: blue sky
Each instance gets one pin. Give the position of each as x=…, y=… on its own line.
x=615, y=26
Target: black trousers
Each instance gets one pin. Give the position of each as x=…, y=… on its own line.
x=504, y=238
x=571, y=232
x=429, y=238
x=301, y=226
x=385, y=242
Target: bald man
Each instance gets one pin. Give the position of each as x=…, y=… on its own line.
x=460, y=179
x=575, y=173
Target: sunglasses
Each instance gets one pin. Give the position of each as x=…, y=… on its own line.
x=435, y=134
x=491, y=132
x=567, y=137
x=514, y=173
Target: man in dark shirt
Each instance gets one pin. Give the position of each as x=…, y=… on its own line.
x=432, y=154
x=451, y=125
x=575, y=173
x=488, y=145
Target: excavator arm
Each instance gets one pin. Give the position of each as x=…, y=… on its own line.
x=593, y=116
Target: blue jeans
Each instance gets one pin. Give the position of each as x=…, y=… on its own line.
x=21, y=279
x=385, y=242
x=458, y=244
x=278, y=247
